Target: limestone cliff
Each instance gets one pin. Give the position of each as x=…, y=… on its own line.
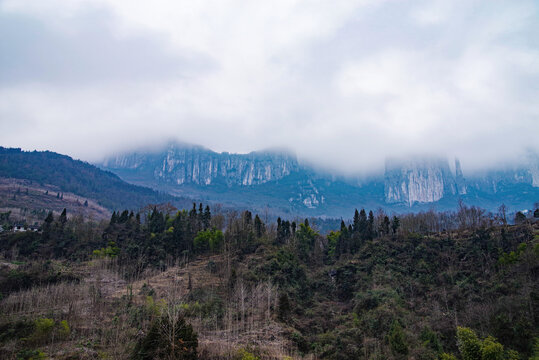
x=417, y=181
x=196, y=165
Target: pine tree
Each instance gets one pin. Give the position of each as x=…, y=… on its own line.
x=362, y=224
x=206, y=219
x=397, y=339
x=370, y=226
x=384, y=226
x=259, y=230
x=355, y=226
x=395, y=224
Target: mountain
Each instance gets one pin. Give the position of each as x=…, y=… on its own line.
x=196, y=165
x=418, y=181
x=80, y=178
x=277, y=182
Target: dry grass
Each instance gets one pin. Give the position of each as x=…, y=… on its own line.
x=90, y=307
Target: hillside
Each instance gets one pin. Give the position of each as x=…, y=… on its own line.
x=376, y=289
x=29, y=202
x=77, y=177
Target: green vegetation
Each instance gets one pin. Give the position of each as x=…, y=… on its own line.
x=78, y=177
x=181, y=284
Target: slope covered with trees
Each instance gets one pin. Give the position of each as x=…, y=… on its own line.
x=230, y=286
x=74, y=176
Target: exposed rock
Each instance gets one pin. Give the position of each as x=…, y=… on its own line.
x=196, y=165
x=417, y=180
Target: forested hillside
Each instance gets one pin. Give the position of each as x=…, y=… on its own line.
x=80, y=178
x=420, y=286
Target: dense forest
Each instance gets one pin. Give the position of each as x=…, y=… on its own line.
x=81, y=178
x=166, y=284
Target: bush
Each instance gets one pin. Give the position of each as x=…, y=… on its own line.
x=31, y=355
x=245, y=355
x=44, y=327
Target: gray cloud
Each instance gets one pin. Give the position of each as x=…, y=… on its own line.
x=344, y=84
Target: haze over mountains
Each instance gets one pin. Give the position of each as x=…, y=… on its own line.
x=276, y=181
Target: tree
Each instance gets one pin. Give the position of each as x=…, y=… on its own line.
x=211, y=240
x=259, y=226
x=284, y=307
x=206, y=218
x=395, y=224
x=370, y=226
x=306, y=237
x=384, y=226
x=169, y=337
x=355, y=223
x=362, y=224
x=502, y=214
x=397, y=339
x=63, y=218
x=468, y=344
x=519, y=217
x=47, y=226
x=491, y=349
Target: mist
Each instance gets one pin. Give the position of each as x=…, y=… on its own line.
x=343, y=84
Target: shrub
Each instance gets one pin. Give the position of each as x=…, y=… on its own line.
x=44, y=327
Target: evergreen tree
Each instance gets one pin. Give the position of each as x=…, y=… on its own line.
x=62, y=220
x=370, y=226
x=384, y=226
x=206, y=218
x=395, y=224
x=397, y=340
x=259, y=226
x=362, y=224
x=47, y=226
x=356, y=225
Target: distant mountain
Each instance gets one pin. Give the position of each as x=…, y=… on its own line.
x=80, y=178
x=278, y=183
x=195, y=165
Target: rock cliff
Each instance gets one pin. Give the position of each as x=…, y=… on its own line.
x=418, y=181
x=196, y=165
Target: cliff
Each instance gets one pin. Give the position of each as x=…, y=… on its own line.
x=418, y=181
x=196, y=165
x=278, y=181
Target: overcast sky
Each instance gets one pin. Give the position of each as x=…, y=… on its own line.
x=342, y=83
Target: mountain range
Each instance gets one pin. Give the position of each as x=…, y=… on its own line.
x=276, y=182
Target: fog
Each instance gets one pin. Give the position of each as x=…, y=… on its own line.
x=343, y=84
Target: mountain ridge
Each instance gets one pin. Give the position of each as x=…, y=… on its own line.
x=280, y=181
x=77, y=177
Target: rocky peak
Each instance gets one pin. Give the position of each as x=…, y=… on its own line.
x=417, y=180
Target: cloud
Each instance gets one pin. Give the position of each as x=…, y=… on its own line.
x=344, y=84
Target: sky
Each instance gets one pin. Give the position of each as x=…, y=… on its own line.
x=343, y=84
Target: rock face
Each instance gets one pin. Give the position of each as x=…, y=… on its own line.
x=196, y=165
x=418, y=181
x=278, y=180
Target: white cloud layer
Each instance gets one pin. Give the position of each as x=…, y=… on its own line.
x=343, y=83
